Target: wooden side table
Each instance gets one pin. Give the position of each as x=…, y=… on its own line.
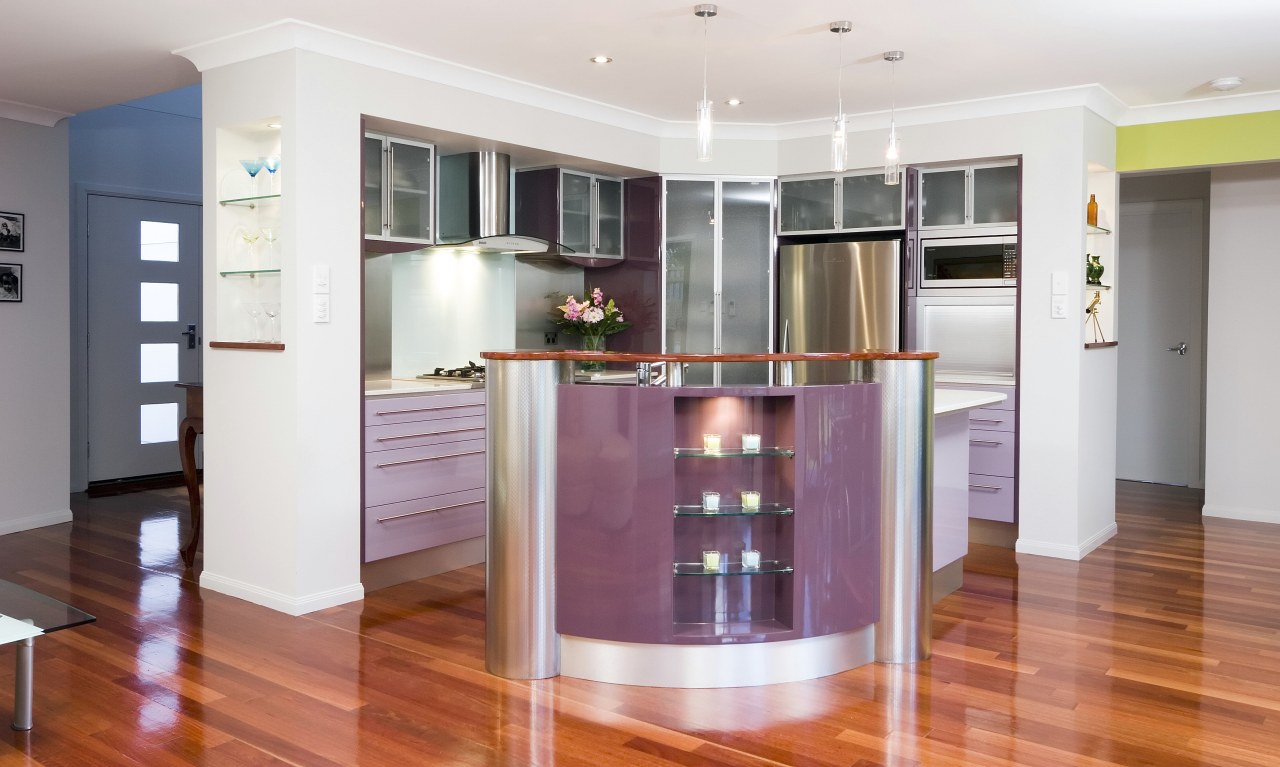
x=188, y=430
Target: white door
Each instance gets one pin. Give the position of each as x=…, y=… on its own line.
x=143, y=294
x=1161, y=331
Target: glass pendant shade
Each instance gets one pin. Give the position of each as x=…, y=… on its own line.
x=704, y=130
x=839, y=144
x=892, y=171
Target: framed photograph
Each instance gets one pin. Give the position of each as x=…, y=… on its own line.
x=11, y=228
x=10, y=282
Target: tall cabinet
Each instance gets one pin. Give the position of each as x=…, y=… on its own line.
x=718, y=247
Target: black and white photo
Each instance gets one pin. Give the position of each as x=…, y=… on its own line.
x=10, y=282
x=11, y=226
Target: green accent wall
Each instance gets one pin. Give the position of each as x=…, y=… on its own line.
x=1192, y=143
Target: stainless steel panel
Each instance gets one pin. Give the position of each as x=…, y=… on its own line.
x=973, y=335
x=689, y=261
x=746, y=213
x=520, y=637
x=377, y=316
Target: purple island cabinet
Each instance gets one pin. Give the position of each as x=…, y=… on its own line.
x=630, y=530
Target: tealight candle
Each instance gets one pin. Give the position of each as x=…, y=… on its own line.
x=750, y=443
x=711, y=443
x=710, y=560
x=750, y=499
x=710, y=501
x=751, y=560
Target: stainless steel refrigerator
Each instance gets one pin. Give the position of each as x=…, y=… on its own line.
x=839, y=297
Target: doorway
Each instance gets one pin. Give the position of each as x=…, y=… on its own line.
x=143, y=315
x=1161, y=323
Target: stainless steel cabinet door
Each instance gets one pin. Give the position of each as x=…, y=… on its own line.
x=689, y=248
x=746, y=210
x=608, y=217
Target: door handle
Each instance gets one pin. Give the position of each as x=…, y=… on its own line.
x=1181, y=348
x=190, y=333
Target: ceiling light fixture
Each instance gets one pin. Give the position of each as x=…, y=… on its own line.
x=892, y=153
x=600, y=59
x=1226, y=83
x=839, y=139
x=704, y=11
x=734, y=102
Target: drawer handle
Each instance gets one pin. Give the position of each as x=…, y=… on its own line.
x=429, y=433
x=427, y=409
x=429, y=458
x=993, y=488
x=985, y=442
x=986, y=420
x=428, y=511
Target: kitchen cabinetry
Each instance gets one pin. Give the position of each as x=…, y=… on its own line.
x=718, y=253
x=580, y=210
x=247, y=223
x=993, y=456
x=846, y=202
x=398, y=193
x=976, y=195
x=424, y=471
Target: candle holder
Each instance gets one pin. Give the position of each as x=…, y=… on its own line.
x=750, y=560
x=711, y=443
x=750, y=443
x=751, y=499
x=711, y=501
x=711, y=560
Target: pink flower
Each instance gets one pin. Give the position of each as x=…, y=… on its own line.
x=572, y=309
x=592, y=315
x=597, y=296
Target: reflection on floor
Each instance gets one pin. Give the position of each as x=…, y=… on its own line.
x=1161, y=648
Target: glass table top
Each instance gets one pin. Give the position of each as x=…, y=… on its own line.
x=46, y=613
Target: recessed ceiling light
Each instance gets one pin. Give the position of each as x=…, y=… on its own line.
x=734, y=102
x=1226, y=83
x=273, y=125
x=600, y=59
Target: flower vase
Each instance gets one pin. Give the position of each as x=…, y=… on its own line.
x=1093, y=270
x=592, y=344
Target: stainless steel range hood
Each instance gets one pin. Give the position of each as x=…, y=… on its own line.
x=474, y=190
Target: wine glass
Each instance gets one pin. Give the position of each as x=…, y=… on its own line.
x=248, y=237
x=270, y=234
x=272, y=164
x=272, y=310
x=255, y=318
x=253, y=168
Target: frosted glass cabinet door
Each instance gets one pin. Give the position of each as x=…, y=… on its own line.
x=869, y=203
x=608, y=217
x=411, y=186
x=746, y=212
x=575, y=211
x=372, y=186
x=995, y=194
x=807, y=205
x=689, y=247
x=942, y=197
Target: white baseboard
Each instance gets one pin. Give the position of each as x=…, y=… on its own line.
x=1237, y=512
x=1063, y=551
x=35, y=520
x=281, y=602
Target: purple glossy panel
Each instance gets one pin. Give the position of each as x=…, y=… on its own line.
x=636, y=283
x=614, y=513
x=837, y=523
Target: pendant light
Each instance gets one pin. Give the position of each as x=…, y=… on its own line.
x=892, y=171
x=705, y=11
x=839, y=137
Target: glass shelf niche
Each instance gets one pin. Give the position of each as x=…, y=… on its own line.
x=764, y=509
x=249, y=202
x=732, y=568
x=732, y=452
x=248, y=272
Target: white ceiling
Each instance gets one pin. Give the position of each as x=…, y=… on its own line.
x=778, y=56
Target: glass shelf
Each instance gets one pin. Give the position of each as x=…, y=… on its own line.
x=735, y=511
x=1091, y=286
x=732, y=568
x=732, y=452
x=1088, y=229
x=249, y=202
x=248, y=272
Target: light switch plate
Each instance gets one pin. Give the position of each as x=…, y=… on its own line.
x=320, y=279
x=319, y=308
x=1059, y=283
x=1058, y=308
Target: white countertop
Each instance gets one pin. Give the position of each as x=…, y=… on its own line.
x=386, y=387
x=952, y=400
x=973, y=378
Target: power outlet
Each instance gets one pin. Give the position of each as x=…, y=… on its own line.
x=550, y=337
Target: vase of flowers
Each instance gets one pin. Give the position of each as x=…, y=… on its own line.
x=593, y=319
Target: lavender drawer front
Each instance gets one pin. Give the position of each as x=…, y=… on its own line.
x=423, y=407
x=991, y=498
x=401, y=435
x=423, y=523
x=991, y=452
x=418, y=472
x=991, y=419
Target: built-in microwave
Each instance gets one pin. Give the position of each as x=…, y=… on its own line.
x=968, y=262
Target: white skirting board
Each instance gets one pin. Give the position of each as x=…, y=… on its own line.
x=281, y=602
x=35, y=520
x=1244, y=514
x=1060, y=551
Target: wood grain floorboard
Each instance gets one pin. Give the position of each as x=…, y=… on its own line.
x=1161, y=648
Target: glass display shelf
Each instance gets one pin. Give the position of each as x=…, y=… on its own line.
x=732, y=568
x=249, y=202
x=1093, y=286
x=1090, y=229
x=732, y=452
x=777, y=509
x=248, y=272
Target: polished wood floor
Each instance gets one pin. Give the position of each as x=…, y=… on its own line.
x=1161, y=648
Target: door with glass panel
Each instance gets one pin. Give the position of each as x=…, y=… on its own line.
x=144, y=331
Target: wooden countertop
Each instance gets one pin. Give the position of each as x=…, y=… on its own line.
x=580, y=356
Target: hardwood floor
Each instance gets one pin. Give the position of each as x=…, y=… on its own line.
x=1161, y=648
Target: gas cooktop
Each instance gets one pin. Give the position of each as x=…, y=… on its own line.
x=469, y=372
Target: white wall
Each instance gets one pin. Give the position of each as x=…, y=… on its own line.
x=1241, y=420
x=34, y=368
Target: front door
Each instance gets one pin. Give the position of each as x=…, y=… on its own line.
x=144, y=297
x=1160, y=327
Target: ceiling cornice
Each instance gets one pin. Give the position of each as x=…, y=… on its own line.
x=15, y=110
x=1217, y=106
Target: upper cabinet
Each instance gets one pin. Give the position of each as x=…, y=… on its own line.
x=969, y=195
x=399, y=190
x=582, y=211
x=830, y=202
